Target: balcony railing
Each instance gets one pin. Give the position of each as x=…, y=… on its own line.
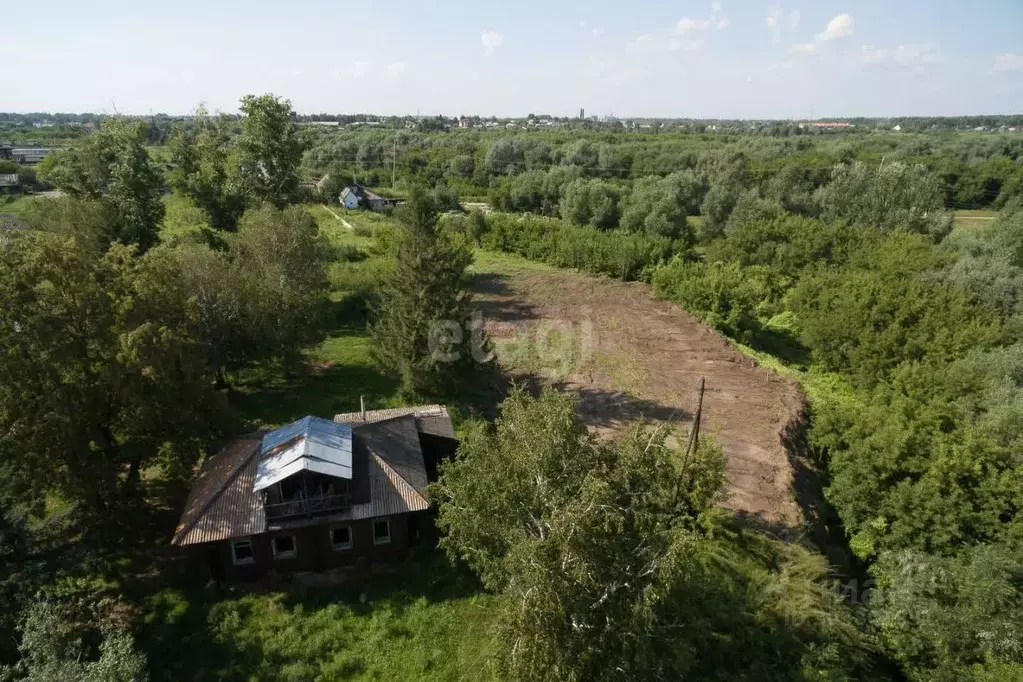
x=308, y=506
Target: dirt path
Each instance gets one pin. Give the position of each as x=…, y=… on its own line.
x=629, y=356
x=343, y=221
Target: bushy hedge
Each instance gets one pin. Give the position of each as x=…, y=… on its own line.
x=618, y=253
x=726, y=296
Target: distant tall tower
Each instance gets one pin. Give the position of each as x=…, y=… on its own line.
x=582, y=113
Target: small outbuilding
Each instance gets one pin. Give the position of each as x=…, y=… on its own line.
x=357, y=196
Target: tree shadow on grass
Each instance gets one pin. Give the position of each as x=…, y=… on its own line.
x=334, y=378
x=496, y=300
x=782, y=344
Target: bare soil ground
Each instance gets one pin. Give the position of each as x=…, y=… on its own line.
x=631, y=357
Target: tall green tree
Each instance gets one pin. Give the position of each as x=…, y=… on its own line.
x=206, y=169
x=603, y=555
x=74, y=634
x=269, y=151
x=421, y=334
x=101, y=373
x=279, y=261
x=113, y=166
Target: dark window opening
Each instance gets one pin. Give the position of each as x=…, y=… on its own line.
x=381, y=532
x=341, y=538
x=284, y=547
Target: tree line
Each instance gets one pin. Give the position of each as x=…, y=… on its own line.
x=974, y=171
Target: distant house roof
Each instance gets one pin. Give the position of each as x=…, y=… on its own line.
x=388, y=475
x=364, y=194
x=309, y=444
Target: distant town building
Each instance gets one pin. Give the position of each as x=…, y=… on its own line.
x=582, y=113
x=831, y=124
x=464, y=122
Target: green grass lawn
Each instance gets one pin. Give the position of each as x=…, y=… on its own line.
x=973, y=217
x=182, y=217
x=425, y=620
x=18, y=204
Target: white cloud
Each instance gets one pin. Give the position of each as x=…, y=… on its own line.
x=645, y=38
x=491, y=41
x=773, y=21
x=1009, y=62
x=687, y=25
x=582, y=24
x=839, y=27
x=805, y=48
x=794, y=19
x=597, y=32
x=396, y=69
x=722, y=23
x=715, y=6
x=901, y=55
x=359, y=69
x=684, y=45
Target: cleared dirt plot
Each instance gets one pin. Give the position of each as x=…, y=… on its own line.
x=631, y=357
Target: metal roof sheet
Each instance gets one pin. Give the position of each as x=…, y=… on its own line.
x=311, y=444
x=315, y=429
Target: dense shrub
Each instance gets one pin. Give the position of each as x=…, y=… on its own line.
x=590, y=202
x=787, y=244
x=660, y=205
x=621, y=254
x=725, y=296
x=889, y=197
x=887, y=307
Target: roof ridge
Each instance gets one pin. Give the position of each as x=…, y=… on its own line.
x=389, y=469
x=184, y=530
x=358, y=425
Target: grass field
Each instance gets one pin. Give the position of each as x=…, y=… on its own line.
x=426, y=620
x=973, y=217
x=18, y=205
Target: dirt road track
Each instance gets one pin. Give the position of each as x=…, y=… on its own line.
x=646, y=360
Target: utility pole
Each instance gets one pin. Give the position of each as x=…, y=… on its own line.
x=694, y=440
x=394, y=157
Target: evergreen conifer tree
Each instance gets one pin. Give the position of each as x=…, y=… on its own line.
x=422, y=334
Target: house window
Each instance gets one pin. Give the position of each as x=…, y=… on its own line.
x=284, y=547
x=381, y=532
x=241, y=552
x=341, y=537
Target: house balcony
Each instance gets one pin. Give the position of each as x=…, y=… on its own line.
x=308, y=506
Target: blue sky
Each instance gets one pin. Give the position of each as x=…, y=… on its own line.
x=724, y=59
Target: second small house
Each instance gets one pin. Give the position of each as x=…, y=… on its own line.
x=316, y=494
x=357, y=196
